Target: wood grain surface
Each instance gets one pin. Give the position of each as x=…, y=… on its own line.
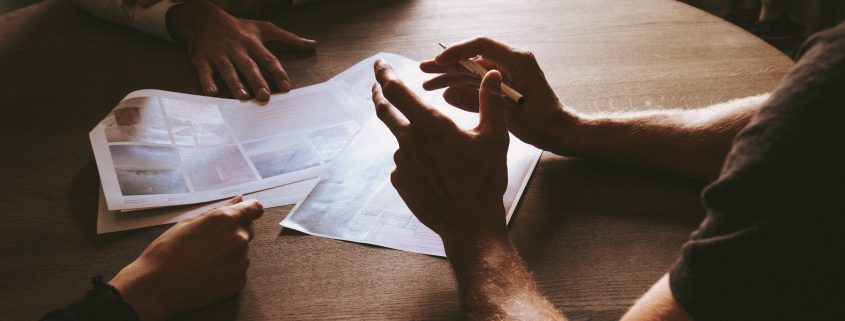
x=595, y=235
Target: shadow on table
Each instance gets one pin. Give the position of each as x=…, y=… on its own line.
x=567, y=194
x=597, y=235
x=226, y=309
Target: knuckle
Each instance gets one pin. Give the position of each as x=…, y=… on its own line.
x=392, y=85
x=268, y=59
x=527, y=55
x=213, y=218
x=226, y=68
x=224, y=217
x=404, y=138
x=397, y=157
x=382, y=108
x=395, y=177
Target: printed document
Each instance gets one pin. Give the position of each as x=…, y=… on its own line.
x=160, y=148
x=114, y=221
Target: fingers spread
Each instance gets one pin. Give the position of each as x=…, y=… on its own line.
x=404, y=99
x=270, y=32
x=493, y=50
x=451, y=80
x=270, y=63
x=388, y=114
x=492, y=104
x=230, y=76
x=206, y=76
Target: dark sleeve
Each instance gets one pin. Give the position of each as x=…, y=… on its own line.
x=101, y=303
x=772, y=246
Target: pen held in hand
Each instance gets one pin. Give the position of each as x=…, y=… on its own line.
x=480, y=71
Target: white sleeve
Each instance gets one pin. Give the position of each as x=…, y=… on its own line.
x=150, y=20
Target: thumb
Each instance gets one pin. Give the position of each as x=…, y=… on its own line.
x=246, y=211
x=492, y=103
x=271, y=32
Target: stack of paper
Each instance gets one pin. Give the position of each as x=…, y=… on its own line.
x=163, y=156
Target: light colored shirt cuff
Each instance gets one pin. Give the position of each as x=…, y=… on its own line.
x=153, y=20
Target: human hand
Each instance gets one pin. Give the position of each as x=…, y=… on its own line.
x=218, y=41
x=541, y=120
x=452, y=179
x=196, y=262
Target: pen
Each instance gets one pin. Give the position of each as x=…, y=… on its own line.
x=480, y=72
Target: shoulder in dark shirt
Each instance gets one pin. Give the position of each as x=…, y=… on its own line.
x=772, y=246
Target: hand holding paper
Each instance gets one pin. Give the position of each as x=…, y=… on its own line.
x=452, y=179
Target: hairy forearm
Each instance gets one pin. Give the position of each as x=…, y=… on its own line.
x=691, y=143
x=494, y=283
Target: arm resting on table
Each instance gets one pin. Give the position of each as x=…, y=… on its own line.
x=692, y=143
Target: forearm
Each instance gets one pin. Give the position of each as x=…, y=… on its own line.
x=494, y=283
x=691, y=143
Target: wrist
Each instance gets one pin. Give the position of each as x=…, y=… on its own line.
x=137, y=290
x=476, y=235
x=479, y=254
x=180, y=20
x=569, y=132
x=466, y=247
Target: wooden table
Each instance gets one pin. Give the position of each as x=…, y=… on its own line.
x=595, y=235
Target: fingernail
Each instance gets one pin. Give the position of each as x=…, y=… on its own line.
x=242, y=94
x=210, y=90
x=284, y=85
x=264, y=91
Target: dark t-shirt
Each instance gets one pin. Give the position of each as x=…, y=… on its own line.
x=772, y=246
x=101, y=303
